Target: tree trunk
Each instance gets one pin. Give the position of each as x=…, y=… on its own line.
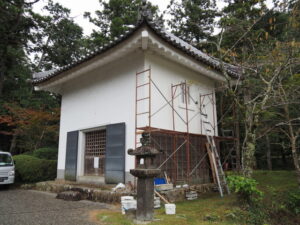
x=283, y=159
x=2, y=69
x=248, y=154
x=293, y=139
x=237, y=142
x=38, y=143
x=269, y=157
x=295, y=158
x=43, y=54
x=1, y=82
x=13, y=144
x=248, y=148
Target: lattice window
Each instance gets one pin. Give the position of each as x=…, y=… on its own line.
x=95, y=143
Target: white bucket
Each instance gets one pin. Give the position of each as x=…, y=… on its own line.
x=156, y=202
x=124, y=198
x=170, y=209
x=128, y=204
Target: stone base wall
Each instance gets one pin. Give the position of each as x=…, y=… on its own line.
x=104, y=194
x=178, y=194
x=87, y=193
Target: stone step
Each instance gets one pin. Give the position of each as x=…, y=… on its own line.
x=70, y=196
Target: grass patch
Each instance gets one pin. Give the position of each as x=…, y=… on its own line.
x=112, y=217
x=211, y=209
x=277, y=180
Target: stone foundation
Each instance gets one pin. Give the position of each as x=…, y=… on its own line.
x=104, y=193
x=178, y=194
x=69, y=196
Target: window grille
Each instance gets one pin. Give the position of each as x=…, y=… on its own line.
x=95, y=145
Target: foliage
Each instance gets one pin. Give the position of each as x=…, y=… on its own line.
x=115, y=18
x=28, y=119
x=287, y=91
x=192, y=20
x=242, y=43
x=33, y=127
x=46, y=153
x=293, y=201
x=236, y=215
x=57, y=41
x=247, y=191
x=256, y=214
x=245, y=187
x=253, y=36
x=16, y=22
x=238, y=17
x=30, y=169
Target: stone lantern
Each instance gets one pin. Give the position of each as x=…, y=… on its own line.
x=145, y=172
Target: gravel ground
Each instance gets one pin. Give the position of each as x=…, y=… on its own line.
x=22, y=207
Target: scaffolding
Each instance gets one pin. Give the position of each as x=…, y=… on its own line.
x=185, y=157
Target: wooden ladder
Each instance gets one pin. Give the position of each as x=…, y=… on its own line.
x=215, y=161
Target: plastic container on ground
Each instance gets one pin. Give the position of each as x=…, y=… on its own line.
x=191, y=195
x=124, y=198
x=127, y=202
x=170, y=209
x=158, y=181
x=156, y=202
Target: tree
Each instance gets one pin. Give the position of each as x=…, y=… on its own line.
x=193, y=20
x=287, y=91
x=30, y=126
x=238, y=45
x=249, y=36
x=15, y=25
x=239, y=17
x=257, y=49
x=288, y=94
x=57, y=39
x=115, y=18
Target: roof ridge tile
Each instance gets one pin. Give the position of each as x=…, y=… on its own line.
x=189, y=49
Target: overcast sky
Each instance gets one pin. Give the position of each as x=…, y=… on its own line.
x=78, y=7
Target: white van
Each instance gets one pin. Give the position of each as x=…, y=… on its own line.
x=7, y=168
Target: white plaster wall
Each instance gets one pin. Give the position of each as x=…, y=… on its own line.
x=107, y=95
x=164, y=74
x=103, y=96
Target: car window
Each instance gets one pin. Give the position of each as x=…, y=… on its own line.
x=6, y=160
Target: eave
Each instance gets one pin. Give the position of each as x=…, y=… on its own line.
x=145, y=36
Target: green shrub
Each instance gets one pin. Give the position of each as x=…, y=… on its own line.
x=30, y=169
x=293, y=201
x=245, y=188
x=46, y=153
x=257, y=214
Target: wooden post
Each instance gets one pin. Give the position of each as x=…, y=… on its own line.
x=212, y=162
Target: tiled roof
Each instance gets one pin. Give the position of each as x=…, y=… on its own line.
x=178, y=43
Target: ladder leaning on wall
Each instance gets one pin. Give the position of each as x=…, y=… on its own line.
x=217, y=169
